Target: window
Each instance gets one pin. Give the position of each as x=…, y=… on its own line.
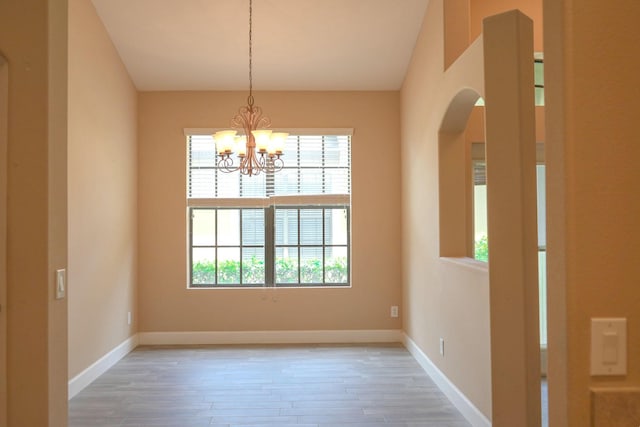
x=288, y=229
x=480, y=224
x=539, y=79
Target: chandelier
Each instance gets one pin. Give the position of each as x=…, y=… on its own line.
x=259, y=149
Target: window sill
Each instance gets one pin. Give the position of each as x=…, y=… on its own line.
x=268, y=288
x=467, y=263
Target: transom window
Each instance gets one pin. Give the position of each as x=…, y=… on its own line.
x=286, y=229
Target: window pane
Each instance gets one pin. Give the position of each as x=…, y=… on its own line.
x=228, y=266
x=286, y=181
x=228, y=184
x=335, y=226
x=311, y=265
x=253, y=186
x=286, y=226
x=311, y=181
x=203, y=227
x=311, y=151
x=202, y=183
x=542, y=206
x=335, y=265
x=291, y=151
x=203, y=266
x=228, y=227
x=336, y=181
x=253, y=227
x=287, y=265
x=336, y=151
x=311, y=226
x=253, y=266
x=481, y=246
x=539, y=80
x=202, y=152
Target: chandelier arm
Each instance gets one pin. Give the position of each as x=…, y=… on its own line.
x=225, y=164
x=277, y=163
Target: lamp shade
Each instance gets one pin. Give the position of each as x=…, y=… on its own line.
x=262, y=137
x=241, y=145
x=224, y=140
x=278, y=140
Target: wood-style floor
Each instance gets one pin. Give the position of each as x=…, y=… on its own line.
x=310, y=386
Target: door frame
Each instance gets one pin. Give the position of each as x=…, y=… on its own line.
x=4, y=107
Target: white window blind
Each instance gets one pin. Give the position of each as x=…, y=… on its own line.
x=314, y=165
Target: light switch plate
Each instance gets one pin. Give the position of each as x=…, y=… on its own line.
x=608, y=346
x=61, y=283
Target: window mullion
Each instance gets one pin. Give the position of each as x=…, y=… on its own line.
x=298, y=246
x=269, y=246
x=215, y=279
x=324, y=245
x=190, y=245
x=241, y=241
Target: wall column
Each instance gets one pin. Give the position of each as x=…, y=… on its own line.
x=512, y=220
x=33, y=41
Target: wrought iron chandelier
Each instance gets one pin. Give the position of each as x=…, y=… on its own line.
x=259, y=149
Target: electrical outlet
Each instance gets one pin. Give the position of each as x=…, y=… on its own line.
x=394, y=311
x=442, y=347
x=128, y=318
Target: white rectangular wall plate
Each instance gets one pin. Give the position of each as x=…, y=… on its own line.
x=608, y=346
x=61, y=283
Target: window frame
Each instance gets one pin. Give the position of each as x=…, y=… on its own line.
x=269, y=205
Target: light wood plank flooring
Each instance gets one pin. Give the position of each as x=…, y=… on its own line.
x=310, y=386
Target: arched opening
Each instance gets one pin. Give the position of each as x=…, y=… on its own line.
x=455, y=173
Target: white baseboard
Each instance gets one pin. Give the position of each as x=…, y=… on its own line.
x=459, y=400
x=270, y=337
x=99, y=367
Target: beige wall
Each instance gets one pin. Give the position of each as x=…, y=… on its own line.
x=102, y=192
x=593, y=205
x=446, y=298
x=166, y=304
x=480, y=9
x=33, y=40
x=463, y=22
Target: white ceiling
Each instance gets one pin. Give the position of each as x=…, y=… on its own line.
x=297, y=44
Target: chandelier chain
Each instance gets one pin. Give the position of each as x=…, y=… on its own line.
x=254, y=158
x=250, y=99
